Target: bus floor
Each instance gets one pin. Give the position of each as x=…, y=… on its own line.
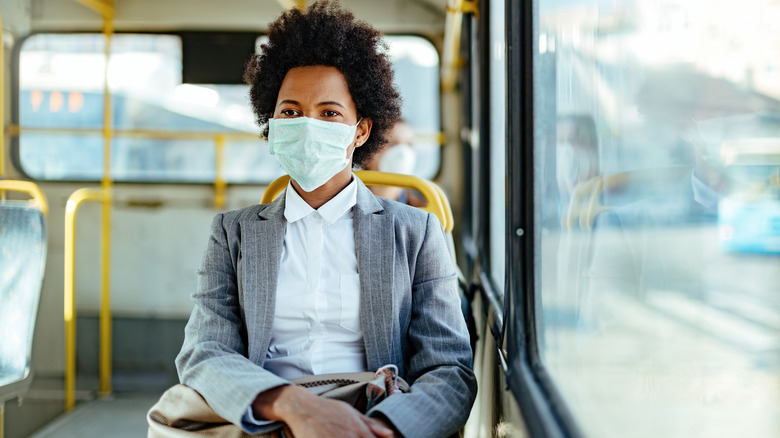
x=122, y=414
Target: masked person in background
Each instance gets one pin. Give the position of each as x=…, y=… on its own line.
x=398, y=156
x=328, y=277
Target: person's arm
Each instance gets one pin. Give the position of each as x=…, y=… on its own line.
x=213, y=359
x=440, y=366
x=214, y=362
x=309, y=415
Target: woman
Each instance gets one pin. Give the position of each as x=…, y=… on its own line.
x=327, y=278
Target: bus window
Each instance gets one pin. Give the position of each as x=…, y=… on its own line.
x=161, y=125
x=497, y=127
x=659, y=270
x=165, y=130
x=416, y=65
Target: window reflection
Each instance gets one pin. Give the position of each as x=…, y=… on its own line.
x=659, y=280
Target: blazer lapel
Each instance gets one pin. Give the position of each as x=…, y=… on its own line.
x=375, y=247
x=261, y=248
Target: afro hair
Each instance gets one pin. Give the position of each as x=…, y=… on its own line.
x=325, y=34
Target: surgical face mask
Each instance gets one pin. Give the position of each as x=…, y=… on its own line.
x=400, y=158
x=311, y=151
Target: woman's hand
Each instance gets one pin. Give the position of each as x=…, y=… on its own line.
x=310, y=416
x=387, y=425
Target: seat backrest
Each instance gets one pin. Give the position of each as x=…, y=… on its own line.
x=22, y=262
x=436, y=200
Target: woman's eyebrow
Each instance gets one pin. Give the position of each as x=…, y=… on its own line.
x=331, y=102
x=288, y=101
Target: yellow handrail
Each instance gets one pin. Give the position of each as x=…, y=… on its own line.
x=30, y=188
x=274, y=188
x=106, y=9
x=103, y=7
x=2, y=104
x=432, y=195
x=219, y=180
x=71, y=207
x=450, y=60
x=289, y=4
x=449, y=220
x=15, y=130
x=157, y=134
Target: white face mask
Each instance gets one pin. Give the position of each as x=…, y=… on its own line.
x=311, y=151
x=399, y=158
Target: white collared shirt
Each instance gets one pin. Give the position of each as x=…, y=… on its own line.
x=316, y=326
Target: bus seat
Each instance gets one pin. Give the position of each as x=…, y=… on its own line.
x=434, y=196
x=22, y=262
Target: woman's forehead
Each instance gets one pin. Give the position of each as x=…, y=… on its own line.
x=314, y=85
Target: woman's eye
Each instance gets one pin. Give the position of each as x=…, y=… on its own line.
x=289, y=112
x=330, y=113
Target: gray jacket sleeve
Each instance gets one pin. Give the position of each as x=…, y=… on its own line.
x=213, y=360
x=438, y=357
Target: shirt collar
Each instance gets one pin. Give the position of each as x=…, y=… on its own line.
x=295, y=208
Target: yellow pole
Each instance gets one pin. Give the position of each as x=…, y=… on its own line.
x=105, y=247
x=289, y=4
x=452, y=31
x=2, y=121
x=219, y=180
x=71, y=207
x=106, y=9
x=2, y=415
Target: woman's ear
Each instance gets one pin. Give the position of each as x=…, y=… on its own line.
x=362, y=132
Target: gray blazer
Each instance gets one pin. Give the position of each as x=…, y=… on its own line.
x=409, y=312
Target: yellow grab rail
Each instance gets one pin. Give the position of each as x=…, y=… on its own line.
x=430, y=191
x=2, y=109
x=274, y=188
x=435, y=199
x=74, y=201
x=290, y=4
x=30, y=188
x=106, y=9
x=450, y=60
x=219, y=180
x=449, y=220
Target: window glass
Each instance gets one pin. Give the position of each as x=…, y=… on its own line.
x=165, y=130
x=416, y=65
x=661, y=262
x=497, y=123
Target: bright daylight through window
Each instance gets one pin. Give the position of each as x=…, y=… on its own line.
x=659, y=189
x=165, y=130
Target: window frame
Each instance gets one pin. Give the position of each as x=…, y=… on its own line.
x=14, y=117
x=545, y=411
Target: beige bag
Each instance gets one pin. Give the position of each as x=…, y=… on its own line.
x=182, y=412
